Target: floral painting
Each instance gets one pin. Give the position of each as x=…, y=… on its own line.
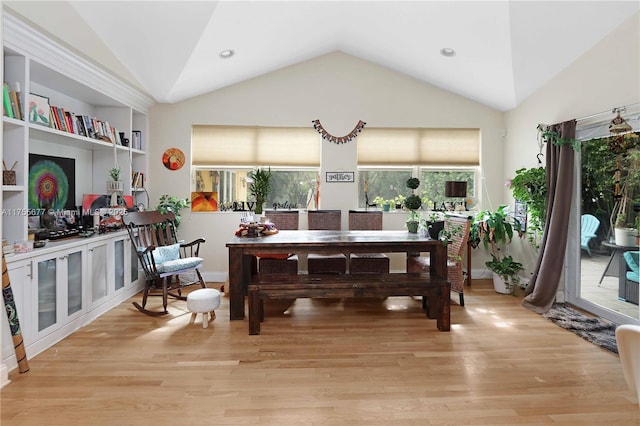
x=39, y=110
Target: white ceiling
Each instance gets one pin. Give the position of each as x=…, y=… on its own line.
x=506, y=50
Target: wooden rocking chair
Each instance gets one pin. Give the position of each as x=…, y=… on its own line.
x=162, y=256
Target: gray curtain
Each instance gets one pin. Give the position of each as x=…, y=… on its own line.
x=544, y=283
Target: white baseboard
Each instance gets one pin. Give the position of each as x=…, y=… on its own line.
x=214, y=277
x=4, y=376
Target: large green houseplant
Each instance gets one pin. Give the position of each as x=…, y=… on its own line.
x=530, y=187
x=171, y=203
x=495, y=229
x=260, y=187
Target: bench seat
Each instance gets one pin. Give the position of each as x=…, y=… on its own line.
x=435, y=291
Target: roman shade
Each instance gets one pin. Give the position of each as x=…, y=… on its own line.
x=250, y=145
x=419, y=147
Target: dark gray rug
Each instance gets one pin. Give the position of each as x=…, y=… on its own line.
x=595, y=330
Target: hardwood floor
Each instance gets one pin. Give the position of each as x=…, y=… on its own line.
x=319, y=362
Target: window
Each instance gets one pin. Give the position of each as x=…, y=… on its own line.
x=390, y=184
x=223, y=155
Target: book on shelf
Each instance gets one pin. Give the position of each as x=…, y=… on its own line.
x=19, y=110
x=15, y=104
x=6, y=101
x=137, y=180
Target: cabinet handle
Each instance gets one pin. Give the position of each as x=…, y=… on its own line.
x=30, y=273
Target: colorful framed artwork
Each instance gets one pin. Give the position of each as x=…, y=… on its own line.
x=173, y=159
x=93, y=202
x=52, y=182
x=39, y=110
x=204, y=201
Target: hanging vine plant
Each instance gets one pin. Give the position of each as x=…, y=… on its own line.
x=530, y=186
x=550, y=136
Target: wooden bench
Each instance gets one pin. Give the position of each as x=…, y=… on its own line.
x=435, y=291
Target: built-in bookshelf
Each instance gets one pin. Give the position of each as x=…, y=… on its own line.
x=69, y=282
x=64, y=106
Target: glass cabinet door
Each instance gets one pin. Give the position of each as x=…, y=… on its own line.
x=98, y=268
x=119, y=263
x=47, y=302
x=134, y=265
x=74, y=282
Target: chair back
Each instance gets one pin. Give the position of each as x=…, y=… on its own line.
x=365, y=221
x=324, y=220
x=589, y=224
x=459, y=237
x=150, y=228
x=285, y=219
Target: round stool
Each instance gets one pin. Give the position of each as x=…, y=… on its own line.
x=203, y=301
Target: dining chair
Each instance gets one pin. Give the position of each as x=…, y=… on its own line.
x=286, y=263
x=325, y=220
x=367, y=263
x=459, y=227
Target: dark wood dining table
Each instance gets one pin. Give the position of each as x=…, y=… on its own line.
x=242, y=250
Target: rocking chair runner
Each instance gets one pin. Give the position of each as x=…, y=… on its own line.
x=162, y=256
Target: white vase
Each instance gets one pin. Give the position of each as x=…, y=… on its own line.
x=625, y=236
x=500, y=286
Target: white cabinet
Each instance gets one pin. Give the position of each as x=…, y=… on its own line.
x=59, y=289
x=66, y=284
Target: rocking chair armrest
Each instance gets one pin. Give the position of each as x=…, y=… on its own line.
x=194, y=242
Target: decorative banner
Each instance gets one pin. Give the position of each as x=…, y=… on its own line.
x=335, y=139
x=12, y=317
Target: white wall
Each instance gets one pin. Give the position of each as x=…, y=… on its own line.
x=605, y=77
x=337, y=89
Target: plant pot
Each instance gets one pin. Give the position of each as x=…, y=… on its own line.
x=413, y=227
x=625, y=237
x=385, y=207
x=500, y=286
x=435, y=228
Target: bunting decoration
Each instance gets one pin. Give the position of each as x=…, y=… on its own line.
x=339, y=139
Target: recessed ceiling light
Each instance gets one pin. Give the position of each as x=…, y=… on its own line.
x=227, y=53
x=448, y=52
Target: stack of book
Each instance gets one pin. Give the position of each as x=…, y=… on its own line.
x=11, y=102
x=83, y=125
x=137, y=180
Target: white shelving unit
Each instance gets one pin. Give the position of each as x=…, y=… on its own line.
x=64, y=279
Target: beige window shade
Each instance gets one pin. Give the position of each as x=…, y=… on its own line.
x=243, y=145
x=421, y=147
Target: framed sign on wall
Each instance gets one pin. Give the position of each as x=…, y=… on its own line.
x=340, y=177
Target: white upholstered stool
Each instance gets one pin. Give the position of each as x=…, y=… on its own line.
x=203, y=301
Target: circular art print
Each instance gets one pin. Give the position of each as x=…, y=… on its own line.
x=173, y=159
x=48, y=185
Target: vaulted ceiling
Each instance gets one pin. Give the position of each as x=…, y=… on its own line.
x=504, y=50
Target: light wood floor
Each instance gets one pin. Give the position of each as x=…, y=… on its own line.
x=367, y=362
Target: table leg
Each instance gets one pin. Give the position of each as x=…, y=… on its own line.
x=237, y=287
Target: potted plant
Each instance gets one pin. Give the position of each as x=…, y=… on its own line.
x=413, y=202
x=385, y=204
x=495, y=230
x=170, y=203
x=530, y=187
x=260, y=187
x=434, y=224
